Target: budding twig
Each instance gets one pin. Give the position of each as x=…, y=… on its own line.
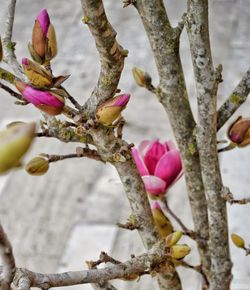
x=228, y=196
x=80, y=152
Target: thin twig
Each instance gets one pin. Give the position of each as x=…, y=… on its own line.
x=174, y=216
x=8, y=45
x=8, y=260
x=13, y=93
x=81, y=152
x=72, y=100
x=228, y=196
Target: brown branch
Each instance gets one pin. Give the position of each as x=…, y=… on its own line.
x=8, y=45
x=111, y=53
x=235, y=100
x=9, y=267
x=207, y=81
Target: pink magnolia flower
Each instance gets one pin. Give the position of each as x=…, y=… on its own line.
x=159, y=165
x=46, y=101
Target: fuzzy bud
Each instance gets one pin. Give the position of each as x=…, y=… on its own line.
x=238, y=241
x=239, y=132
x=14, y=143
x=37, y=166
x=173, y=238
x=37, y=75
x=109, y=111
x=47, y=101
x=142, y=78
x=44, y=45
x=162, y=223
x=179, y=251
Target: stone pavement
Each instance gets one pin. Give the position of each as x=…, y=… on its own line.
x=59, y=220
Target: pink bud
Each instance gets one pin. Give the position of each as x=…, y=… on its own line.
x=46, y=101
x=44, y=21
x=156, y=205
x=25, y=61
x=121, y=100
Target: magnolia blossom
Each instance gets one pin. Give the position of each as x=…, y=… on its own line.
x=159, y=165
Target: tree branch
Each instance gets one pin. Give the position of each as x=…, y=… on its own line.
x=9, y=267
x=111, y=53
x=152, y=261
x=172, y=94
x=235, y=100
x=207, y=81
x=8, y=45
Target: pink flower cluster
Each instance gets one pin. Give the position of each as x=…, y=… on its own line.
x=159, y=165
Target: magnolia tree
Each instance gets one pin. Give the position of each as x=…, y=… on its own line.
x=146, y=172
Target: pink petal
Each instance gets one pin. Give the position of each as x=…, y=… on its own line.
x=143, y=147
x=43, y=19
x=169, y=166
x=153, y=155
x=174, y=181
x=37, y=97
x=121, y=100
x=154, y=184
x=139, y=162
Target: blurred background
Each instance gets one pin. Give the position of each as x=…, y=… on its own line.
x=58, y=221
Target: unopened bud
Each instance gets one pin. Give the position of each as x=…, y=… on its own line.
x=239, y=132
x=37, y=75
x=44, y=46
x=14, y=143
x=47, y=101
x=173, y=238
x=162, y=223
x=238, y=241
x=142, y=78
x=179, y=251
x=37, y=166
x=1, y=50
x=109, y=111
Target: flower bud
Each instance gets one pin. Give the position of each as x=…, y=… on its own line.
x=238, y=241
x=239, y=132
x=14, y=143
x=1, y=50
x=142, y=78
x=109, y=111
x=37, y=166
x=37, y=75
x=44, y=45
x=173, y=238
x=47, y=101
x=179, y=251
x=162, y=223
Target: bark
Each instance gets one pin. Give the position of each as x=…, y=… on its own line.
x=207, y=81
x=172, y=94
